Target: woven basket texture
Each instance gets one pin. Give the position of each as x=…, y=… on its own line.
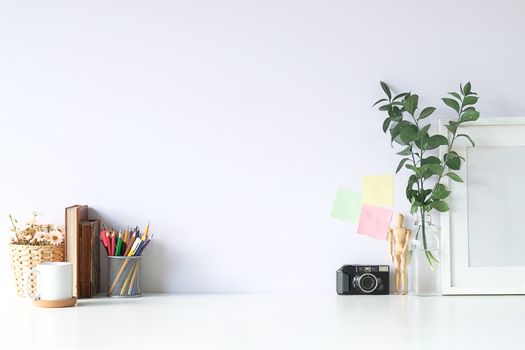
x=26, y=257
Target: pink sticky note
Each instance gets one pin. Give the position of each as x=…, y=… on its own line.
x=374, y=221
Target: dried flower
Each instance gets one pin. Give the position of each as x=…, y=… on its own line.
x=56, y=237
x=35, y=233
x=40, y=236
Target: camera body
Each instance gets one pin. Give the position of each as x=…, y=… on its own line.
x=363, y=279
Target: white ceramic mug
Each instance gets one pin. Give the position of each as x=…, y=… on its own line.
x=54, y=281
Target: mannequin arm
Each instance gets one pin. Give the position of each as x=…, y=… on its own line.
x=390, y=244
x=407, y=239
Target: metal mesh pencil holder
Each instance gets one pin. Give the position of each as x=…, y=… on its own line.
x=124, y=276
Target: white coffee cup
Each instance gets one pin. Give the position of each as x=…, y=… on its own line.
x=54, y=281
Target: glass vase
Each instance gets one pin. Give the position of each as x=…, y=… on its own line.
x=424, y=267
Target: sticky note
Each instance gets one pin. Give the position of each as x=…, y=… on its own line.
x=374, y=221
x=378, y=190
x=346, y=206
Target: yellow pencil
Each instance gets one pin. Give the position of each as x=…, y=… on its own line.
x=135, y=246
x=123, y=289
x=145, y=234
x=135, y=269
x=126, y=235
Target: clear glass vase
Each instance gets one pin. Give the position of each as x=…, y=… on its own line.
x=424, y=267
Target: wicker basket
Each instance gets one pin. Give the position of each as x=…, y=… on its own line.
x=26, y=257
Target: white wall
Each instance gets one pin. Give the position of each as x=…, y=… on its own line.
x=230, y=124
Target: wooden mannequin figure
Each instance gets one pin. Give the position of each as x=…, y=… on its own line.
x=398, y=238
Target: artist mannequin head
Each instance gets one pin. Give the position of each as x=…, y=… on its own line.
x=399, y=220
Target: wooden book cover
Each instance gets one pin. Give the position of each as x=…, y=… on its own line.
x=74, y=215
x=89, y=258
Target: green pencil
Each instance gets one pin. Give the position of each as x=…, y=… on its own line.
x=119, y=244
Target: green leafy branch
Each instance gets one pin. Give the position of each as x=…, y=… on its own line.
x=407, y=127
x=413, y=134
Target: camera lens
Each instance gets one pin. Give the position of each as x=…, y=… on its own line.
x=367, y=282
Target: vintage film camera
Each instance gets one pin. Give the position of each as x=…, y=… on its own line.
x=363, y=279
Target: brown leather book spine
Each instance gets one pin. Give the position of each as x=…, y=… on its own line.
x=95, y=258
x=82, y=215
x=85, y=259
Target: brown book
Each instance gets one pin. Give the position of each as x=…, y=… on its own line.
x=74, y=215
x=89, y=258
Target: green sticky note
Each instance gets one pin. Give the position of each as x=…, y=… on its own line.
x=347, y=206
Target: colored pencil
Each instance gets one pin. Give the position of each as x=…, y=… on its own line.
x=126, y=235
x=126, y=281
x=143, y=246
x=145, y=235
x=135, y=269
x=108, y=242
x=131, y=241
x=119, y=244
x=113, y=243
x=134, y=247
x=103, y=240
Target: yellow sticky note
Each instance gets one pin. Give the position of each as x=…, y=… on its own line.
x=378, y=190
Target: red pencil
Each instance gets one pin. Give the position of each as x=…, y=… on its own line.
x=112, y=243
x=103, y=240
x=108, y=242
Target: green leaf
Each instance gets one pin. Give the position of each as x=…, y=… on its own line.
x=394, y=112
x=386, y=124
x=422, y=196
x=411, y=103
x=466, y=89
x=470, y=100
x=440, y=206
x=437, y=140
x=423, y=132
x=386, y=89
x=379, y=101
x=396, y=130
x=468, y=137
x=454, y=177
x=426, y=112
x=408, y=134
x=455, y=94
x=430, y=160
x=435, y=169
x=410, y=193
x=469, y=116
x=440, y=192
x=406, y=152
x=451, y=128
x=453, y=160
x=400, y=96
x=401, y=163
x=469, y=109
x=384, y=108
x=412, y=167
x=451, y=103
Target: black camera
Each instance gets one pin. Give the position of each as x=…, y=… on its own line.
x=363, y=279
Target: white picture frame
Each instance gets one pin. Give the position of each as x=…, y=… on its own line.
x=482, y=249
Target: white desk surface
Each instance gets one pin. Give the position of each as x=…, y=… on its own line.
x=268, y=321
